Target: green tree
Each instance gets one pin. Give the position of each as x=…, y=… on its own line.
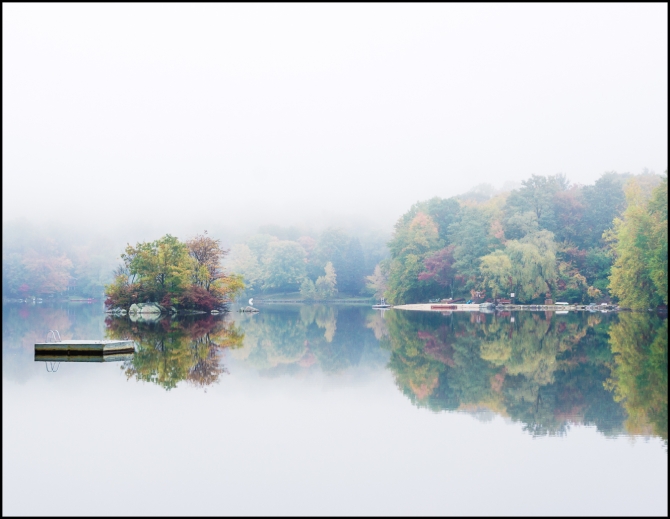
x=534, y=264
x=307, y=289
x=332, y=246
x=350, y=276
x=244, y=261
x=526, y=267
x=496, y=268
x=472, y=240
x=284, y=266
x=639, y=240
x=443, y=212
x=568, y=208
x=159, y=266
x=603, y=201
x=537, y=195
x=521, y=224
x=657, y=253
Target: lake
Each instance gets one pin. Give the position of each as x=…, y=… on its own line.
x=313, y=409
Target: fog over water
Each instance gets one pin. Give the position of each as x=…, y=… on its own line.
x=193, y=116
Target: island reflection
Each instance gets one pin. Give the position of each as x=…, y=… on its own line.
x=170, y=351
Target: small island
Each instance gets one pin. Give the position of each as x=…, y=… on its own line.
x=170, y=276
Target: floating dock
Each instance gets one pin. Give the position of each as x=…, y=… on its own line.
x=83, y=347
x=79, y=357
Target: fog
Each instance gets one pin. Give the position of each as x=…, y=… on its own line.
x=122, y=115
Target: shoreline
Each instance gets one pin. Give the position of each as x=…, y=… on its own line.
x=428, y=307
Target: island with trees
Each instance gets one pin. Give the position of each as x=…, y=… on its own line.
x=179, y=276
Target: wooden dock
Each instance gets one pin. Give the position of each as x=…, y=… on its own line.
x=84, y=347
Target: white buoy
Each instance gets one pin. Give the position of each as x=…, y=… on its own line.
x=251, y=301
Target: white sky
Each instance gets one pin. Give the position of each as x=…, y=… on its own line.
x=291, y=113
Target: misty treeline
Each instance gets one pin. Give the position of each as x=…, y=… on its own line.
x=43, y=261
x=546, y=239
x=317, y=265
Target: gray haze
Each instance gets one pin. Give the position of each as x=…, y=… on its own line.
x=221, y=114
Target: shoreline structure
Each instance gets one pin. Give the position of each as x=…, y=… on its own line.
x=442, y=307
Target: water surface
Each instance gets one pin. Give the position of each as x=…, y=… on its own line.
x=338, y=410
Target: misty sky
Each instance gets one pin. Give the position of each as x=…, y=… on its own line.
x=312, y=113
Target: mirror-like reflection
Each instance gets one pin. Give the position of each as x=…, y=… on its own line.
x=296, y=339
x=170, y=351
x=544, y=370
x=639, y=377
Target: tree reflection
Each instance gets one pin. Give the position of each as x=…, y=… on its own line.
x=543, y=370
x=294, y=340
x=640, y=375
x=170, y=351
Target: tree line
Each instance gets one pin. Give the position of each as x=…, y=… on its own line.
x=42, y=262
x=546, y=239
x=317, y=265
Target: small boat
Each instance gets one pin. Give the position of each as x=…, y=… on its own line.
x=382, y=304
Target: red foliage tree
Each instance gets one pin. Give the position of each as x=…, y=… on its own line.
x=439, y=267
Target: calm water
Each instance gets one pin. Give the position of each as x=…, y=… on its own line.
x=338, y=410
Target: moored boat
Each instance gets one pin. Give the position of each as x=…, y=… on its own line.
x=382, y=304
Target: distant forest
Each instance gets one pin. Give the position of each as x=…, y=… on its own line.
x=315, y=265
x=546, y=239
x=58, y=263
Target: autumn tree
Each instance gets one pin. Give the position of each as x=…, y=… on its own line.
x=167, y=271
x=326, y=285
x=439, y=268
x=412, y=242
x=377, y=282
x=208, y=255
